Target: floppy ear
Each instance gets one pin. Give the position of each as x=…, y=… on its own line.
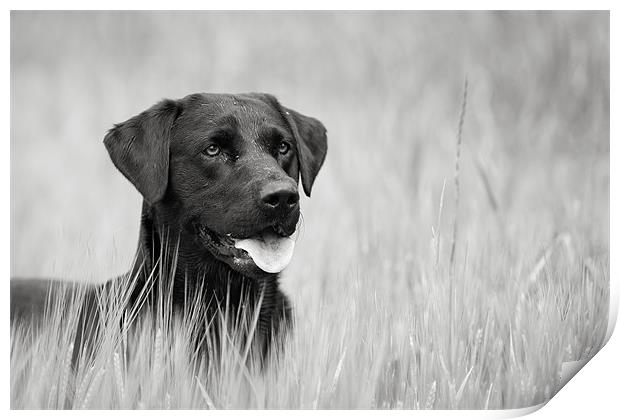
x=140, y=148
x=311, y=138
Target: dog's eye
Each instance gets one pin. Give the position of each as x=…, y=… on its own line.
x=283, y=147
x=212, y=150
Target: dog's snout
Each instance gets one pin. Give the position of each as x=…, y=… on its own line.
x=280, y=196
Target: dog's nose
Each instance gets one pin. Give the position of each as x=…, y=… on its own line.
x=280, y=196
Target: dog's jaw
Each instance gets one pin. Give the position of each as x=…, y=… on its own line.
x=222, y=248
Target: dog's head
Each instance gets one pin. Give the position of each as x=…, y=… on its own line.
x=224, y=169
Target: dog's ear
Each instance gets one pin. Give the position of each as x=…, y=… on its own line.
x=311, y=138
x=140, y=148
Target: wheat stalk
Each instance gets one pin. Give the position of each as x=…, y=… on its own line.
x=437, y=230
x=91, y=388
x=83, y=383
x=158, y=351
x=315, y=403
x=205, y=395
x=338, y=371
x=430, y=399
x=532, y=279
x=119, y=376
x=488, y=399
x=457, y=169
x=64, y=379
x=459, y=393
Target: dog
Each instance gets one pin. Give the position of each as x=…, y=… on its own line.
x=219, y=176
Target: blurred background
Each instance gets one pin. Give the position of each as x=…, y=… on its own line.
x=388, y=87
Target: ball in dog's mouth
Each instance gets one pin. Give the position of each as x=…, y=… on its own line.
x=270, y=249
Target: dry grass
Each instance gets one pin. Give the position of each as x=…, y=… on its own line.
x=373, y=276
x=376, y=355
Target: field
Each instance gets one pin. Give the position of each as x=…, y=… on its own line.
x=387, y=315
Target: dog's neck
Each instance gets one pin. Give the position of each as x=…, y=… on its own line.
x=168, y=253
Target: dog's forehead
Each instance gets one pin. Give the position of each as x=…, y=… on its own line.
x=249, y=112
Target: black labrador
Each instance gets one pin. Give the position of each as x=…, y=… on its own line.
x=219, y=178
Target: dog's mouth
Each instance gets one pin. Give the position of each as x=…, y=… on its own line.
x=270, y=249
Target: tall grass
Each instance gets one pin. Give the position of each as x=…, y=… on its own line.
x=372, y=278
x=378, y=354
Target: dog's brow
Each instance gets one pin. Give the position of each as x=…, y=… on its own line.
x=226, y=121
x=224, y=128
x=223, y=134
x=271, y=133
